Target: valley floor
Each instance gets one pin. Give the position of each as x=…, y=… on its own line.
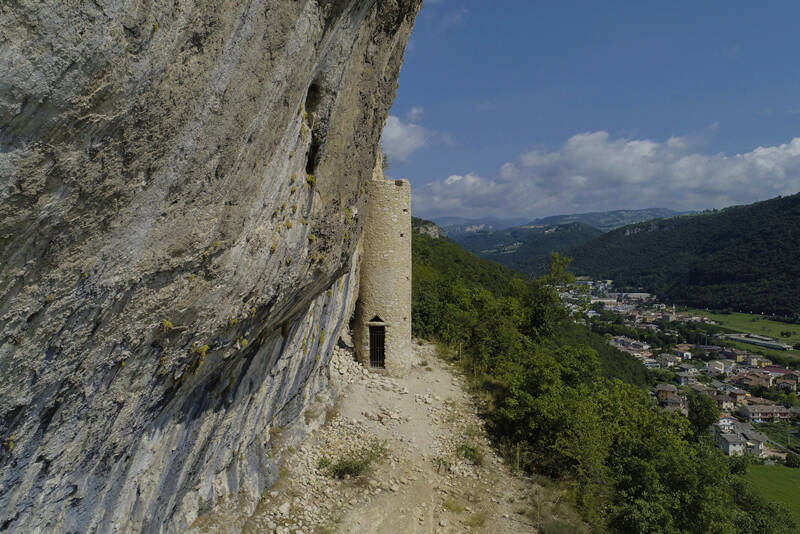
x=777, y=483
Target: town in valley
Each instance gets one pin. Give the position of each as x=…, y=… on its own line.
x=752, y=378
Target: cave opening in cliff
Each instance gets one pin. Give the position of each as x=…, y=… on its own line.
x=313, y=153
x=313, y=100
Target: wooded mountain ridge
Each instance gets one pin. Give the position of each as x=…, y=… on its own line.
x=741, y=258
x=523, y=247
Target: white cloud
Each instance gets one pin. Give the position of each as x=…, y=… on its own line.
x=415, y=115
x=593, y=172
x=401, y=138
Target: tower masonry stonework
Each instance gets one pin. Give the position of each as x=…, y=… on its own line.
x=382, y=326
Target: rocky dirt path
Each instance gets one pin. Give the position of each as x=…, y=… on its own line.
x=436, y=474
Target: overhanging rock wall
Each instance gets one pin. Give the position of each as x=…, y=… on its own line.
x=175, y=184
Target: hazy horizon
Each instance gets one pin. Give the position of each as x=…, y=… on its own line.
x=527, y=219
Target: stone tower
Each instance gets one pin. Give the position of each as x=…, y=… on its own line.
x=382, y=328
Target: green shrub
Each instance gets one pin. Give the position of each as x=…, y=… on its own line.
x=739, y=464
x=471, y=452
x=351, y=466
x=357, y=463
x=453, y=505
x=477, y=520
x=557, y=526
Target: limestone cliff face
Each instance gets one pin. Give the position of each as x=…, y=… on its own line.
x=180, y=190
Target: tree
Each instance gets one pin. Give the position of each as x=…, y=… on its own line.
x=739, y=464
x=558, y=276
x=792, y=460
x=703, y=413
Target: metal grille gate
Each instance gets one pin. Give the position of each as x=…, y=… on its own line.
x=377, y=348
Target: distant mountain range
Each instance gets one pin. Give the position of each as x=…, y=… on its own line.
x=458, y=226
x=602, y=220
x=514, y=247
x=609, y=220
x=741, y=258
x=521, y=246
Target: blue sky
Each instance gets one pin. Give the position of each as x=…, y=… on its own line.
x=522, y=108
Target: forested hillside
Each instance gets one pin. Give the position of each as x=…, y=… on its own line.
x=516, y=246
x=443, y=267
x=741, y=258
x=526, y=248
x=559, y=402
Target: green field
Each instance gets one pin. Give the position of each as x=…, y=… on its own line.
x=777, y=483
x=754, y=324
x=746, y=323
x=773, y=354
